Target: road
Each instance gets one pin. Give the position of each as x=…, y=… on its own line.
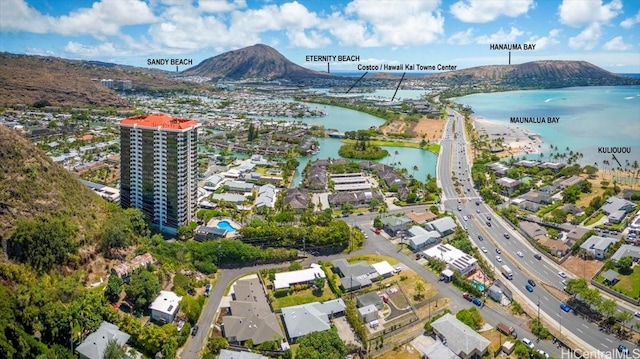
x=482, y=221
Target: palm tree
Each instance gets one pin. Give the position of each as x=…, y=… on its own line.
x=415, y=168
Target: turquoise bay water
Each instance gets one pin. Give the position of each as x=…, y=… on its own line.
x=590, y=117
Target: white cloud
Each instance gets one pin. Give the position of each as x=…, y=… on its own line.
x=390, y=23
x=221, y=5
x=629, y=22
x=500, y=37
x=489, y=10
x=299, y=38
x=545, y=41
x=461, y=37
x=587, y=39
x=586, y=12
x=99, y=51
x=18, y=16
x=616, y=44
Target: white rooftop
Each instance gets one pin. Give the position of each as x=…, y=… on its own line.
x=166, y=302
x=383, y=268
x=284, y=280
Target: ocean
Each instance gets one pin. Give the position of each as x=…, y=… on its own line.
x=590, y=117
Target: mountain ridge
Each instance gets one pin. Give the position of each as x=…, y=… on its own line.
x=259, y=62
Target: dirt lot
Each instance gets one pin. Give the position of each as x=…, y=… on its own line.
x=394, y=127
x=582, y=268
x=405, y=351
x=429, y=127
x=345, y=331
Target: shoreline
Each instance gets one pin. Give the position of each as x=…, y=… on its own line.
x=516, y=140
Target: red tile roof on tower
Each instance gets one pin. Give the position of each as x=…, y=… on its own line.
x=159, y=120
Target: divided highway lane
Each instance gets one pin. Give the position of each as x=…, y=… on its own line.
x=453, y=151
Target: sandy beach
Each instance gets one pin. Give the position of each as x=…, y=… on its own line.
x=517, y=140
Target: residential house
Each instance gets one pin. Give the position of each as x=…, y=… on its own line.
x=419, y=238
x=529, y=206
x=238, y=187
x=304, y=319
x=537, y=197
x=370, y=298
x=444, y=225
x=235, y=198
x=554, y=166
x=250, y=316
x=598, y=246
x=393, y=224
x=124, y=270
x=354, y=276
x=284, y=280
x=627, y=250
x=422, y=217
x=94, y=345
x=458, y=337
x=368, y=314
x=297, y=199
x=499, y=168
x=526, y=163
x=356, y=198
x=457, y=260
x=616, y=217
x=266, y=197
x=317, y=176
x=165, y=307
x=571, y=181
x=509, y=184
x=533, y=230
x=614, y=204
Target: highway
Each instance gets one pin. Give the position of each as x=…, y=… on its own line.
x=482, y=221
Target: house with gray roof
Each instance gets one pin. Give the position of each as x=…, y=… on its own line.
x=95, y=343
x=614, y=204
x=250, y=316
x=627, y=250
x=230, y=354
x=238, y=186
x=458, y=337
x=266, y=197
x=297, y=199
x=444, y=225
x=304, y=319
x=354, y=276
x=205, y=233
x=598, y=246
x=616, y=217
x=368, y=314
x=370, y=298
x=419, y=238
x=229, y=197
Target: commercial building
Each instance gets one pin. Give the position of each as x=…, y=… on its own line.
x=159, y=169
x=457, y=260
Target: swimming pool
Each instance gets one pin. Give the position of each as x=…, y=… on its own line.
x=226, y=226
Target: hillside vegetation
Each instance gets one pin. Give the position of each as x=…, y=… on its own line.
x=33, y=187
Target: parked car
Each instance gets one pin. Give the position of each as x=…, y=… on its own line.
x=477, y=302
x=194, y=330
x=565, y=307
x=543, y=353
x=529, y=288
x=467, y=296
x=527, y=342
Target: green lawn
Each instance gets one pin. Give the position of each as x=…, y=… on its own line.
x=431, y=147
x=372, y=258
x=304, y=297
x=594, y=219
x=630, y=284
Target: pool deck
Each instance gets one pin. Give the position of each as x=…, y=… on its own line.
x=213, y=222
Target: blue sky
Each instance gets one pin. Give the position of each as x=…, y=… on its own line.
x=429, y=32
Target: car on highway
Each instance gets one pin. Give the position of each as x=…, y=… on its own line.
x=488, y=218
x=527, y=342
x=506, y=235
x=478, y=210
x=562, y=274
x=623, y=349
x=565, y=307
x=528, y=288
x=477, y=302
x=466, y=228
x=537, y=256
x=499, y=259
x=564, y=282
x=480, y=238
x=483, y=249
x=488, y=224
x=520, y=254
x=637, y=314
x=531, y=282
x=477, y=203
x=459, y=208
x=498, y=250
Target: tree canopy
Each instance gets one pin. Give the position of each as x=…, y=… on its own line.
x=321, y=345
